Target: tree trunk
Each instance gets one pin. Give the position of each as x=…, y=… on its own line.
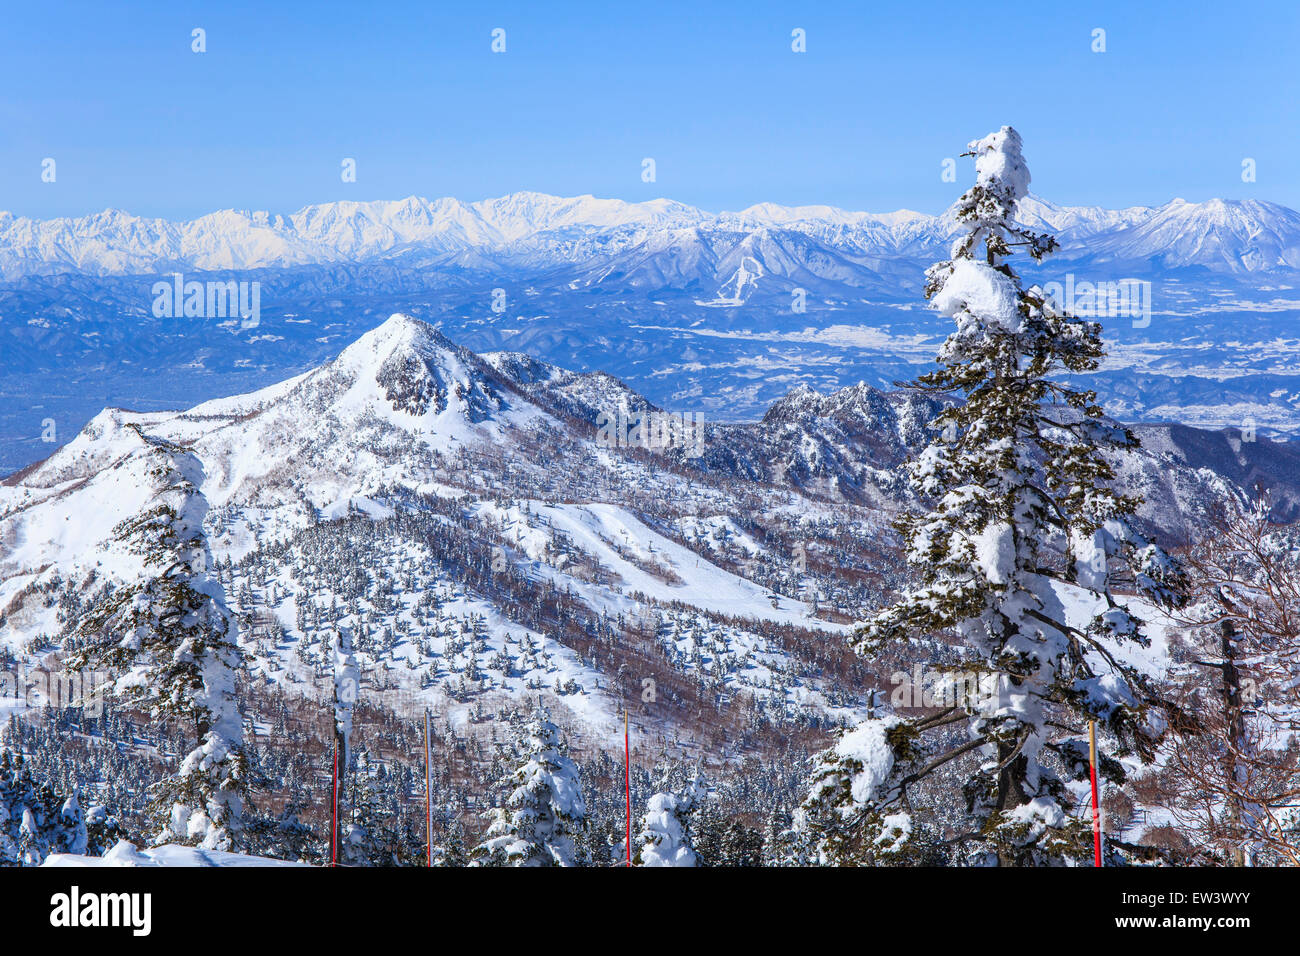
x=1236, y=738
x=1011, y=790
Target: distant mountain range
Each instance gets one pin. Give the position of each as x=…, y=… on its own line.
x=645, y=244
x=718, y=313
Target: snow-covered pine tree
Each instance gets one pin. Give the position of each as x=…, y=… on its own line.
x=665, y=829
x=544, y=809
x=1016, y=552
x=103, y=831
x=839, y=821
x=347, y=683
x=777, y=839
x=452, y=850
x=376, y=833
x=172, y=640
x=35, y=821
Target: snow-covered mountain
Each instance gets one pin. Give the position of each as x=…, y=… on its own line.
x=851, y=445
x=725, y=312
x=114, y=242
x=1244, y=236
x=466, y=520
x=402, y=399
x=489, y=504
x=541, y=231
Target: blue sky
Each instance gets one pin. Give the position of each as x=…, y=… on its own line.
x=584, y=92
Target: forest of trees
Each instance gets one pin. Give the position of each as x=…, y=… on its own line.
x=1019, y=558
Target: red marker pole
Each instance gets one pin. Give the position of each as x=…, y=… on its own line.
x=1096, y=814
x=627, y=780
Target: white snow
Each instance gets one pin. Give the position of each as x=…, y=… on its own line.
x=995, y=552
x=126, y=854
x=868, y=745
x=998, y=160
x=979, y=290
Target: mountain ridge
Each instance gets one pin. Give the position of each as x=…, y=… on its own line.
x=404, y=384
x=462, y=516
x=1239, y=236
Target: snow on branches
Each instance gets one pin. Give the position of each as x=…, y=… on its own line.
x=544, y=810
x=664, y=837
x=1021, y=527
x=171, y=639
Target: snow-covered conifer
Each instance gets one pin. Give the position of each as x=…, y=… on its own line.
x=544, y=809
x=665, y=829
x=172, y=640
x=35, y=821
x=1015, y=550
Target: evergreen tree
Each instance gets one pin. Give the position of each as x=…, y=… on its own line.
x=1020, y=502
x=103, y=831
x=453, y=851
x=777, y=839
x=171, y=638
x=544, y=809
x=665, y=830
x=347, y=681
x=841, y=822
x=34, y=820
x=285, y=837
x=376, y=834
x=742, y=844
x=708, y=828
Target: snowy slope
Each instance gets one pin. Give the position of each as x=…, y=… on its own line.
x=408, y=455
x=126, y=854
x=457, y=516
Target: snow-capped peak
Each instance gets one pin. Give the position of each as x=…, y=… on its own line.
x=398, y=333
x=1231, y=235
x=399, y=386
x=407, y=371
x=1226, y=235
